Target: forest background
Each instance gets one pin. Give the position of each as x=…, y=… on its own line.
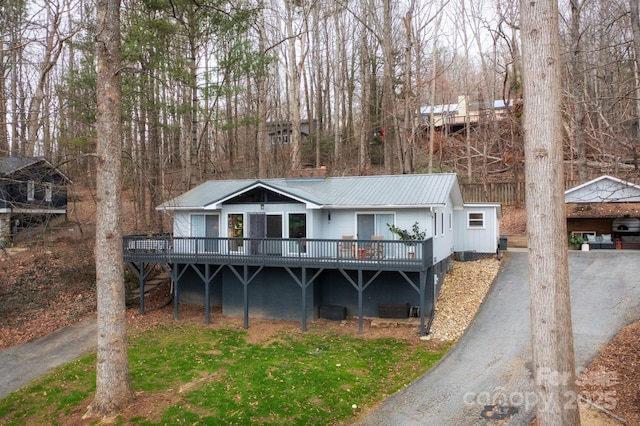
x=206, y=82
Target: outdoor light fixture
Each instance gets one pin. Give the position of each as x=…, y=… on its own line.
x=261, y=206
x=329, y=216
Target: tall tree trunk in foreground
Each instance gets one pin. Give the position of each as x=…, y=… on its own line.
x=635, y=27
x=113, y=386
x=552, y=337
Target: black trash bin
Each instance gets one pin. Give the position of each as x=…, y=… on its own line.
x=502, y=243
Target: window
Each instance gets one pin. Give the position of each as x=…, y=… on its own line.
x=31, y=190
x=298, y=229
x=435, y=225
x=48, y=192
x=442, y=223
x=450, y=221
x=206, y=227
x=235, y=231
x=369, y=224
x=297, y=225
x=476, y=220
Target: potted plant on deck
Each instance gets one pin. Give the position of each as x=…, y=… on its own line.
x=409, y=236
x=575, y=241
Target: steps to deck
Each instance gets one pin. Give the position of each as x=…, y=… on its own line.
x=149, y=285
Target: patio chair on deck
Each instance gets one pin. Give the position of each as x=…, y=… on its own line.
x=375, y=250
x=347, y=247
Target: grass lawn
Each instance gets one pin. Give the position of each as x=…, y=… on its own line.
x=194, y=375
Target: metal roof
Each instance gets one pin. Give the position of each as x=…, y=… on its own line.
x=604, y=189
x=392, y=191
x=11, y=164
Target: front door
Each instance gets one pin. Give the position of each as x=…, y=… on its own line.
x=265, y=226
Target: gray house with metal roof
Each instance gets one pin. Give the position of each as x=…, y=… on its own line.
x=327, y=240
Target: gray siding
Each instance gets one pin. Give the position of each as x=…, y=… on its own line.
x=481, y=240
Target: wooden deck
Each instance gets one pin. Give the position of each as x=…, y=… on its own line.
x=309, y=253
x=302, y=259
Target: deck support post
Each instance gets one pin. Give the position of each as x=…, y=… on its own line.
x=303, y=284
x=245, y=284
x=360, y=308
x=207, y=291
x=176, y=296
x=142, y=274
x=245, y=280
x=206, y=280
x=423, y=285
x=141, y=278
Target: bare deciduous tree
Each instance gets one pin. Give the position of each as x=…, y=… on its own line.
x=550, y=305
x=113, y=385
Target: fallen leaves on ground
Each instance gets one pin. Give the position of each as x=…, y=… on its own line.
x=461, y=295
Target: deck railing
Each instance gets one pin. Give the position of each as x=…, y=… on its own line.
x=361, y=254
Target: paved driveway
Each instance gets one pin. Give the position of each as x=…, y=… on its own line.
x=22, y=364
x=491, y=362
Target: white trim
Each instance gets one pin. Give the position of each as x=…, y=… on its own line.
x=31, y=190
x=48, y=192
x=604, y=177
x=37, y=211
x=484, y=220
x=218, y=204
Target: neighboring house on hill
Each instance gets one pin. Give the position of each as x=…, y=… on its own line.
x=605, y=206
x=31, y=191
x=453, y=116
x=286, y=248
x=280, y=133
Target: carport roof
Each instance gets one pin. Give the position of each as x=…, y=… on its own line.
x=605, y=189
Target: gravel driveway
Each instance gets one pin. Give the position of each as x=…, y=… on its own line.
x=491, y=362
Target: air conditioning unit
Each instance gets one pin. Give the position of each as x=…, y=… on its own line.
x=465, y=256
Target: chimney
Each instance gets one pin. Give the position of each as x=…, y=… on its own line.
x=307, y=173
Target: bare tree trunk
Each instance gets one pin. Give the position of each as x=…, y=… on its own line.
x=467, y=91
x=635, y=26
x=4, y=135
x=192, y=147
x=262, y=101
x=53, y=49
x=407, y=137
x=366, y=133
x=577, y=90
x=294, y=92
x=113, y=385
x=388, y=103
x=551, y=332
x=432, y=89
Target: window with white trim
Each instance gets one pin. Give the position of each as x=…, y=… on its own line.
x=435, y=225
x=205, y=228
x=475, y=220
x=31, y=190
x=48, y=192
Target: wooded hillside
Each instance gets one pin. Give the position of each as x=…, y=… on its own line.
x=255, y=88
